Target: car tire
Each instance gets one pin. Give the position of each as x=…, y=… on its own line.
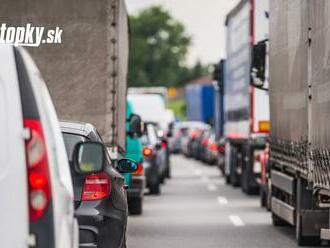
x=135, y=206
x=168, y=172
x=124, y=242
x=155, y=189
x=227, y=179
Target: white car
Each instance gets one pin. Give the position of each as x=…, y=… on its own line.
x=35, y=182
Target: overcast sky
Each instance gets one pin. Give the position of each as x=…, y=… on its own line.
x=204, y=20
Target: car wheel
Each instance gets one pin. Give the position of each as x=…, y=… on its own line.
x=124, y=242
x=155, y=189
x=135, y=206
x=162, y=178
x=168, y=172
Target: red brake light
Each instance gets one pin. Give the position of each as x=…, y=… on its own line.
x=96, y=187
x=213, y=147
x=139, y=170
x=147, y=152
x=193, y=134
x=163, y=144
x=205, y=142
x=222, y=149
x=37, y=168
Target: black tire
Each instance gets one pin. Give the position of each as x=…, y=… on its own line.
x=234, y=177
x=168, y=172
x=162, y=179
x=227, y=178
x=155, y=189
x=135, y=206
x=263, y=197
x=277, y=221
x=124, y=242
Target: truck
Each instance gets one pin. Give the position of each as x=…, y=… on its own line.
x=246, y=110
x=200, y=102
x=86, y=72
x=299, y=112
x=246, y=107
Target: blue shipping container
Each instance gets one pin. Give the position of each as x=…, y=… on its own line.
x=200, y=102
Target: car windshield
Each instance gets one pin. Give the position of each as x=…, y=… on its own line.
x=70, y=141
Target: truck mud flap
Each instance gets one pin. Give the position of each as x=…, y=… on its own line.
x=313, y=221
x=283, y=210
x=283, y=181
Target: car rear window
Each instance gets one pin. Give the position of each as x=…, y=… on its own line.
x=70, y=141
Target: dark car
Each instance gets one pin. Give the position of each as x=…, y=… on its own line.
x=155, y=158
x=179, y=130
x=100, y=199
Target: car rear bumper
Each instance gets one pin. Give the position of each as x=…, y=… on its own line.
x=152, y=174
x=102, y=231
x=137, y=188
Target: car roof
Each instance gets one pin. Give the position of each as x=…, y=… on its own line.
x=77, y=127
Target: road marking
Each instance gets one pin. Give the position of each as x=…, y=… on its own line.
x=222, y=200
x=212, y=187
x=197, y=172
x=205, y=178
x=236, y=220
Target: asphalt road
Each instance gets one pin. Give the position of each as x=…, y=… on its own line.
x=197, y=210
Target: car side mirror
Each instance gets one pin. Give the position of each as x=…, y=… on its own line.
x=135, y=126
x=88, y=157
x=127, y=165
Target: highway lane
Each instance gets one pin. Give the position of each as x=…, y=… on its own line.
x=197, y=210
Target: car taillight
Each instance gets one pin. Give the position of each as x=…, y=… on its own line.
x=205, y=142
x=37, y=170
x=222, y=149
x=147, y=152
x=139, y=170
x=163, y=144
x=96, y=187
x=213, y=147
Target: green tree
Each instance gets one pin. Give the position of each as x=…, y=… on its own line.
x=159, y=45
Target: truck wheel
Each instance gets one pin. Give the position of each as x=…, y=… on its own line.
x=277, y=221
x=155, y=189
x=135, y=206
x=263, y=197
x=234, y=178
